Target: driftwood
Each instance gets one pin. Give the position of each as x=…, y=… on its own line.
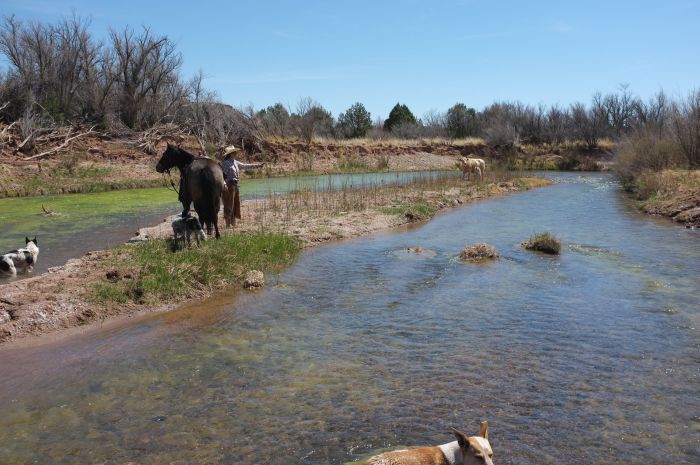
x=63, y=145
x=6, y=133
x=49, y=212
x=150, y=138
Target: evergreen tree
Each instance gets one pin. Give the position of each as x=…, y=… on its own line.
x=399, y=115
x=355, y=122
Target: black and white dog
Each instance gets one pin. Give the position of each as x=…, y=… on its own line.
x=21, y=260
x=185, y=227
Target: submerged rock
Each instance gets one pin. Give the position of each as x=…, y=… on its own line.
x=417, y=250
x=478, y=252
x=254, y=279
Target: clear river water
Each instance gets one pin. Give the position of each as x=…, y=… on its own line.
x=591, y=357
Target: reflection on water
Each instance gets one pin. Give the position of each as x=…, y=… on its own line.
x=363, y=345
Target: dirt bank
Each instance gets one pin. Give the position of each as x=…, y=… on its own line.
x=59, y=299
x=672, y=193
x=98, y=161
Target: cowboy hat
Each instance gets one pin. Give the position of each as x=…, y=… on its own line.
x=230, y=149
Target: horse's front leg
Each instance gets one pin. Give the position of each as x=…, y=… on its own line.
x=216, y=227
x=186, y=207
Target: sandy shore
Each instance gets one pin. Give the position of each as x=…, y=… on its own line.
x=56, y=300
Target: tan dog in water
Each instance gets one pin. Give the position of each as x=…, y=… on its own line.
x=466, y=450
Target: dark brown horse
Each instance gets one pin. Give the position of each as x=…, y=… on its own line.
x=202, y=182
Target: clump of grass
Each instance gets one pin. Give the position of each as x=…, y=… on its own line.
x=418, y=211
x=152, y=273
x=543, y=242
x=479, y=252
x=353, y=163
x=382, y=162
x=304, y=162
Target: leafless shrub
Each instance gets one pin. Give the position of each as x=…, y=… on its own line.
x=644, y=151
x=407, y=131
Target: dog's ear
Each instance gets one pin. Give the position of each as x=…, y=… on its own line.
x=26, y=240
x=461, y=438
x=35, y=242
x=484, y=429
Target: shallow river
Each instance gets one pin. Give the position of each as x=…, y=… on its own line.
x=84, y=222
x=589, y=358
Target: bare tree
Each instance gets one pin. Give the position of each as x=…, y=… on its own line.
x=435, y=124
x=557, y=124
x=147, y=69
x=619, y=108
x=311, y=118
x=686, y=127
x=654, y=113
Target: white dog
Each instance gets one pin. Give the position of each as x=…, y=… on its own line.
x=183, y=228
x=20, y=260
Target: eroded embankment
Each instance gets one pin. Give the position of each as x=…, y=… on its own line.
x=127, y=280
x=100, y=162
x=673, y=193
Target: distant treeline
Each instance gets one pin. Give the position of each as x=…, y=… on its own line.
x=59, y=73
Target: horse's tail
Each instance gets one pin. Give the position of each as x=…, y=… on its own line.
x=208, y=202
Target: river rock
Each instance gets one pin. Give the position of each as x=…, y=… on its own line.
x=254, y=279
x=478, y=252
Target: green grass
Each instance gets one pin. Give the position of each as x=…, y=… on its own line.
x=150, y=272
x=418, y=211
x=544, y=242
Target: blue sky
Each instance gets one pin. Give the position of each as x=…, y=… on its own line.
x=426, y=54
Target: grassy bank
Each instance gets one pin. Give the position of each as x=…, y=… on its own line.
x=671, y=193
x=151, y=273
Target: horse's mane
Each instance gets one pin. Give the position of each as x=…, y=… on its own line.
x=183, y=151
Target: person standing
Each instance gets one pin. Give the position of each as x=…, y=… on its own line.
x=232, y=170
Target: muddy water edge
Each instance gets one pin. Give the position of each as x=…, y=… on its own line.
x=590, y=357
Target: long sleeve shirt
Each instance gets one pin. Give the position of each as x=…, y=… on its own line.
x=232, y=168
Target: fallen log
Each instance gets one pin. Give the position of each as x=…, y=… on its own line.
x=60, y=147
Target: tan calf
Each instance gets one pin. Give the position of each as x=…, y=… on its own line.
x=472, y=165
x=466, y=450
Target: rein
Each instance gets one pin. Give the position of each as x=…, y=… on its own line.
x=172, y=183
